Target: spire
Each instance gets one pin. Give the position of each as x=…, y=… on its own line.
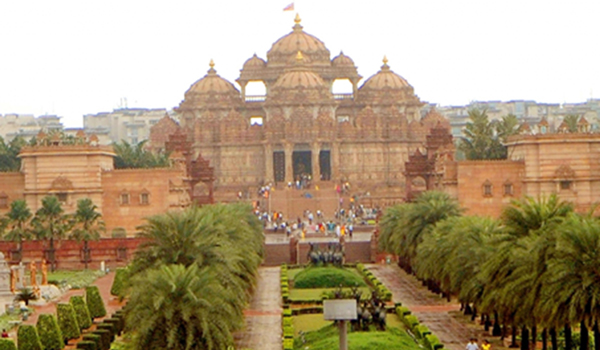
x=297, y=20
x=385, y=65
x=212, y=67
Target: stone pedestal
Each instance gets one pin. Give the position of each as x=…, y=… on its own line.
x=4, y=277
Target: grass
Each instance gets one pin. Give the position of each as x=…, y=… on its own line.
x=327, y=277
x=76, y=279
x=328, y=338
x=309, y=323
x=297, y=295
x=5, y=320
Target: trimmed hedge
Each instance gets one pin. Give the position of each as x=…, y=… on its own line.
x=104, y=338
x=81, y=312
x=87, y=345
x=119, y=282
x=109, y=328
x=7, y=344
x=94, y=302
x=421, y=331
x=288, y=344
x=326, y=277
x=432, y=342
x=49, y=331
x=116, y=323
x=94, y=338
x=67, y=321
x=28, y=339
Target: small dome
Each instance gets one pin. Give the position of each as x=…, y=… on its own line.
x=254, y=62
x=299, y=76
x=212, y=82
x=298, y=40
x=385, y=78
x=342, y=60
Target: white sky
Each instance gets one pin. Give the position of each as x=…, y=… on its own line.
x=77, y=57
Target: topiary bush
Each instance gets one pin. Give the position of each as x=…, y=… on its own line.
x=109, y=328
x=67, y=321
x=87, y=345
x=94, y=338
x=28, y=339
x=49, y=332
x=81, y=312
x=105, y=338
x=119, y=282
x=94, y=302
x=7, y=344
x=327, y=277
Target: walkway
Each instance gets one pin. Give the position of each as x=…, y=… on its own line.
x=433, y=311
x=263, y=317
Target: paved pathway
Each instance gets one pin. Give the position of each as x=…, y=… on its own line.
x=263, y=317
x=433, y=311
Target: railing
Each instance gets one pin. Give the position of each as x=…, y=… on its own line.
x=349, y=96
x=255, y=98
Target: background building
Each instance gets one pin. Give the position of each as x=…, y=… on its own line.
x=26, y=125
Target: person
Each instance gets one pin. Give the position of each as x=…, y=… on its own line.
x=472, y=344
x=486, y=345
x=4, y=333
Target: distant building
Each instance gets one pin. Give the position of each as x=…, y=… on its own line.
x=127, y=124
x=26, y=125
x=526, y=111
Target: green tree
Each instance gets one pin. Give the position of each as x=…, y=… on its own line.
x=137, y=156
x=88, y=225
x=507, y=126
x=484, y=139
x=187, y=309
x=17, y=220
x=50, y=224
x=9, y=160
x=571, y=121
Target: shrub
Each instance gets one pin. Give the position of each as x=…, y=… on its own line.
x=104, y=338
x=81, y=312
x=326, y=277
x=94, y=302
x=433, y=342
x=49, y=331
x=7, y=344
x=109, y=328
x=67, y=321
x=87, y=345
x=411, y=322
x=115, y=323
x=94, y=338
x=288, y=344
x=287, y=321
x=402, y=311
x=421, y=331
x=119, y=282
x=288, y=332
x=287, y=312
x=28, y=339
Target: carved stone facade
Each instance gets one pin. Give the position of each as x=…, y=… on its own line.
x=85, y=170
x=300, y=127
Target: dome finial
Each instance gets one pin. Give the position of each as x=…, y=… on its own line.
x=212, y=67
x=297, y=20
x=385, y=63
x=212, y=63
x=297, y=27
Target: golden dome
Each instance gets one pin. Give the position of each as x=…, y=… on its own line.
x=254, y=62
x=298, y=40
x=385, y=78
x=342, y=60
x=212, y=82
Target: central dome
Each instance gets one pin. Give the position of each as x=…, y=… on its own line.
x=298, y=40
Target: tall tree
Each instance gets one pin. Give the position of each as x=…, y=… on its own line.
x=484, y=139
x=9, y=160
x=571, y=121
x=17, y=220
x=50, y=224
x=88, y=225
x=137, y=156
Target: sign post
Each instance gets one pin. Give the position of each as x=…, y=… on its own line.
x=341, y=310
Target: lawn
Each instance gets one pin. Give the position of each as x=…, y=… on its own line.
x=328, y=338
x=293, y=272
x=313, y=322
x=298, y=295
x=76, y=279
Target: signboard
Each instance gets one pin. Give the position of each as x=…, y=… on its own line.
x=339, y=309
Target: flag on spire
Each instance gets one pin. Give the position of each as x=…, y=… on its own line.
x=289, y=7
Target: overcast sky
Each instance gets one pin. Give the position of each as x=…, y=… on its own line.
x=72, y=58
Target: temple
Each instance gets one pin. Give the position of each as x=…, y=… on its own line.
x=300, y=128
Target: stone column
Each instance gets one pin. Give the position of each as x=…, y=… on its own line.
x=289, y=169
x=335, y=161
x=269, y=174
x=316, y=171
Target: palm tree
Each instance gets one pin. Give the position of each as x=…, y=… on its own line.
x=50, y=224
x=525, y=216
x=17, y=219
x=176, y=307
x=88, y=223
x=137, y=156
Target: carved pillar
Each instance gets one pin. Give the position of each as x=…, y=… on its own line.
x=289, y=169
x=354, y=88
x=335, y=161
x=269, y=175
x=243, y=85
x=316, y=171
